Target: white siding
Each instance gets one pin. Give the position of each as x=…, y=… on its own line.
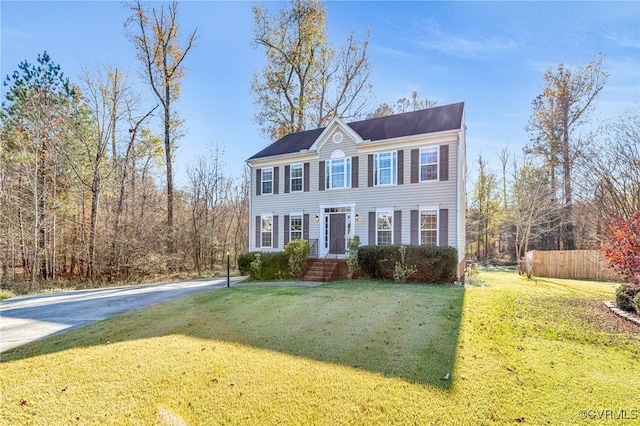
x=405, y=197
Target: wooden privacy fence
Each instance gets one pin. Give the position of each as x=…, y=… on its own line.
x=570, y=264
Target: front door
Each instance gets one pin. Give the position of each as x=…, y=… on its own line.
x=337, y=229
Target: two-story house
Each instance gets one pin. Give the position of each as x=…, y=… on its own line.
x=398, y=179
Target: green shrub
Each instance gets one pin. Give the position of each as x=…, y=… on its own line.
x=401, y=271
x=432, y=264
x=636, y=303
x=275, y=265
x=256, y=267
x=626, y=295
x=6, y=294
x=244, y=262
x=352, y=255
x=298, y=252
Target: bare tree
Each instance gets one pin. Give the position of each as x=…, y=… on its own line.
x=610, y=168
x=532, y=205
x=561, y=108
x=413, y=103
x=482, y=214
x=156, y=38
x=304, y=82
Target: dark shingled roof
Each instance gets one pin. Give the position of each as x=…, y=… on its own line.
x=431, y=120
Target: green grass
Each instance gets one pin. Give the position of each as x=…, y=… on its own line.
x=344, y=353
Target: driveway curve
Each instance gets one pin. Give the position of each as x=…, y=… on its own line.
x=29, y=318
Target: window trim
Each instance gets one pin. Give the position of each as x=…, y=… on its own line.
x=437, y=164
x=262, y=231
x=291, y=178
x=393, y=170
x=263, y=180
x=436, y=229
x=391, y=218
x=346, y=173
x=290, y=230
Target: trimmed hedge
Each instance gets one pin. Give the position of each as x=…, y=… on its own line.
x=275, y=265
x=626, y=296
x=433, y=264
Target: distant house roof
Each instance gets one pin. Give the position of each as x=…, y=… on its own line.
x=431, y=120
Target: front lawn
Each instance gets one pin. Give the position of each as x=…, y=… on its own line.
x=345, y=353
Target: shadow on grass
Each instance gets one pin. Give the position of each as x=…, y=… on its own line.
x=403, y=331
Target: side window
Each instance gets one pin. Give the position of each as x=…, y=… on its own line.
x=385, y=168
x=384, y=228
x=296, y=178
x=267, y=180
x=428, y=164
x=266, y=234
x=295, y=227
x=429, y=227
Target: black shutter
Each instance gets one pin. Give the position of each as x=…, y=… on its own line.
x=286, y=229
x=415, y=165
x=415, y=227
x=258, y=181
x=444, y=162
x=400, y=179
x=397, y=227
x=306, y=177
x=372, y=228
x=370, y=170
x=444, y=227
x=276, y=179
x=321, y=173
x=305, y=226
x=287, y=178
x=354, y=171
x=274, y=236
x=258, y=231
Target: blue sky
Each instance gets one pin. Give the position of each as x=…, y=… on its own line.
x=491, y=55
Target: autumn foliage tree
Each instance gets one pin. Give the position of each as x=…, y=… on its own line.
x=305, y=81
x=621, y=246
x=156, y=38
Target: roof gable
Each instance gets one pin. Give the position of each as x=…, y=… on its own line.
x=334, y=125
x=430, y=120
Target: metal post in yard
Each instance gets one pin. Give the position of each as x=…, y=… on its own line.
x=228, y=268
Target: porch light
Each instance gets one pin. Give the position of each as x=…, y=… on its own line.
x=317, y=218
x=357, y=217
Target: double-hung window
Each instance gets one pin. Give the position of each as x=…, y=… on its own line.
x=266, y=234
x=384, y=228
x=429, y=227
x=428, y=164
x=295, y=227
x=338, y=173
x=296, y=178
x=267, y=180
x=385, y=168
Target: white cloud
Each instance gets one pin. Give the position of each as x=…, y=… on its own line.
x=465, y=46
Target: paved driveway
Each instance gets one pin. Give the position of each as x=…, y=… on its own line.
x=25, y=319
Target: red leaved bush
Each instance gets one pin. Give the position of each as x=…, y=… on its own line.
x=621, y=246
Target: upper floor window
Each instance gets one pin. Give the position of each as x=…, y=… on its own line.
x=384, y=228
x=385, y=168
x=296, y=178
x=429, y=227
x=428, y=164
x=267, y=180
x=338, y=173
x=295, y=227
